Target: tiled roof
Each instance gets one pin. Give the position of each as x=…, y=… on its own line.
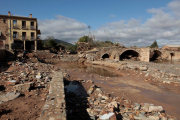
x=173, y=45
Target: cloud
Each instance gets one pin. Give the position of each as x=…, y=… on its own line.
x=175, y=6
x=112, y=16
x=163, y=25
x=62, y=28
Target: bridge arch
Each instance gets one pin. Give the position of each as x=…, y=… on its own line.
x=129, y=54
x=105, y=56
x=154, y=55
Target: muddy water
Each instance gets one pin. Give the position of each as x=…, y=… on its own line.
x=168, y=98
x=90, y=69
x=167, y=62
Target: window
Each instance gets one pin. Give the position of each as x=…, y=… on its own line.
x=32, y=35
x=23, y=24
x=4, y=20
x=23, y=34
x=14, y=23
x=32, y=25
x=14, y=34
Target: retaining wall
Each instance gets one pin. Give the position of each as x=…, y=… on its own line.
x=55, y=106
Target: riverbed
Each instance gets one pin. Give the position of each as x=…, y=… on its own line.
x=129, y=84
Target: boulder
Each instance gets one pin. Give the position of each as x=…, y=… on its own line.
x=8, y=96
x=23, y=87
x=143, y=68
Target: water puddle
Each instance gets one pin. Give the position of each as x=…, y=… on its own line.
x=76, y=87
x=103, y=71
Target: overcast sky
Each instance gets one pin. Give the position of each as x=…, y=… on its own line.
x=130, y=22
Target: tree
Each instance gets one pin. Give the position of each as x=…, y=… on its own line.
x=49, y=42
x=52, y=43
x=83, y=39
x=154, y=45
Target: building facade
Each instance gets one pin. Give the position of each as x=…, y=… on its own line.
x=18, y=32
x=171, y=47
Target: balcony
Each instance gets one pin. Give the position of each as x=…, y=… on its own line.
x=25, y=38
x=33, y=38
x=17, y=37
x=25, y=27
x=33, y=28
x=38, y=37
x=16, y=26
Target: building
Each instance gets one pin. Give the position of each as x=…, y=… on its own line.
x=17, y=32
x=171, y=47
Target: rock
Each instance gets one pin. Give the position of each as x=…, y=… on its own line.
x=88, y=110
x=155, y=108
x=23, y=87
x=146, y=106
x=38, y=76
x=105, y=97
x=106, y=116
x=143, y=68
x=12, y=82
x=136, y=106
x=115, y=104
x=81, y=55
x=90, y=81
x=154, y=117
x=131, y=116
x=90, y=91
x=96, y=102
x=99, y=90
x=163, y=118
x=8, y=96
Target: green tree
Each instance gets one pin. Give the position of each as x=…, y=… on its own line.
x=83, y=39
x=154, y=45
x=49, y=42
x=52, y=43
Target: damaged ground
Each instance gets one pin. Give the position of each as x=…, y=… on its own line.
x=24, y=88
x=92, y=92
x=129, y=87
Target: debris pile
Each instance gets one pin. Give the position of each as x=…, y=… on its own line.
x=100, y=105
x=26, y=78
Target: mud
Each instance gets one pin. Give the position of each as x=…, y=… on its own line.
x=131, y=85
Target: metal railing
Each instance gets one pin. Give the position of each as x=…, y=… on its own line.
x=32, y=27
x=15, y=26
x=25, y=27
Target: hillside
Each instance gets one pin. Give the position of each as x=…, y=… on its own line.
x=62, y=42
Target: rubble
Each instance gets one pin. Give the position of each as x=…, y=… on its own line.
x=100, y=106
x=8, y=96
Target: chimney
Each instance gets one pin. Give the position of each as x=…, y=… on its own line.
x=9, y=13
x=30, y=15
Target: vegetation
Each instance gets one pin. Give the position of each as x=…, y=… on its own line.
x=83, y=39
x=154, y=45
x=86, y=43
x=72, y=48
x=49, y=42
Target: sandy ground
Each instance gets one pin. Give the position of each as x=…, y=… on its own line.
x=131, y=85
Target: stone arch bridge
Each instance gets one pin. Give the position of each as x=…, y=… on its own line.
x=141, y=54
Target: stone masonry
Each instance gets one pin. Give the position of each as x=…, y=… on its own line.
x=55, y=106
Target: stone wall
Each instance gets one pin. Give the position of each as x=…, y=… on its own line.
x=55, y=106
x=166, y=54
x=144, y=53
